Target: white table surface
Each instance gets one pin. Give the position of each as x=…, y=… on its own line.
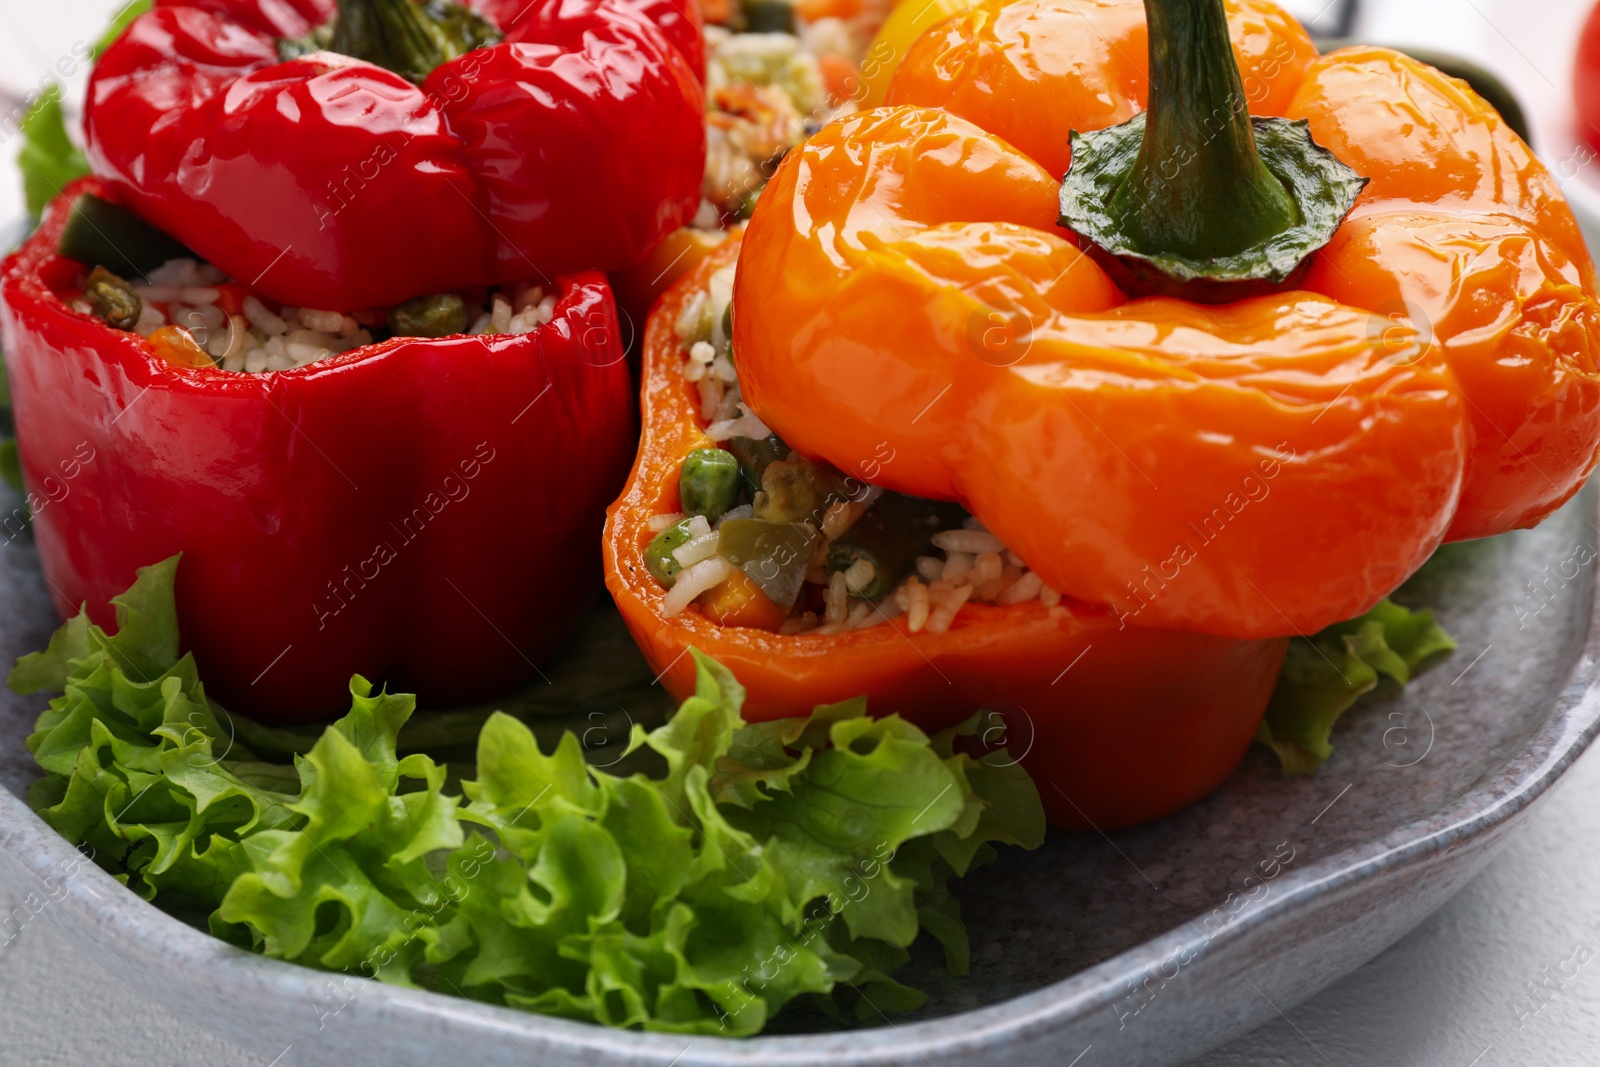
x=1454, y=993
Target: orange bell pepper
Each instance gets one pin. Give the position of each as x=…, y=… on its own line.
x=1262, y=468
x=1117, y=725
x=909, y=20
x=1032, y=73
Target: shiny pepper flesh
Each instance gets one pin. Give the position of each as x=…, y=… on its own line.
x=1266, y=467
x=326, y=181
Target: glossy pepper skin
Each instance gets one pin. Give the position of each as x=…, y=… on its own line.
x=678, y=20
x=329, y=182
x=1117, y=725
x=418, y=511
x=1266, y=467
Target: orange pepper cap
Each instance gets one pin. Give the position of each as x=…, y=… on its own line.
x=1268, y=467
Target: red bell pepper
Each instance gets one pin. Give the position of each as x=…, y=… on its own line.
x=678, y=20
x=328, y=181
x=423, y=512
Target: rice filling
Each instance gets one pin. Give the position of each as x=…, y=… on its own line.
x=193, y=306
x=825, y=552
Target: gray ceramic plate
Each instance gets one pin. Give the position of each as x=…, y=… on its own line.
x=1143, y=947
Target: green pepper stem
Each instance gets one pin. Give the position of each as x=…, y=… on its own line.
x=399, y=35
x=1198, y=187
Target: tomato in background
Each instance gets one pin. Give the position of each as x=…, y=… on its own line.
x=1586, y=80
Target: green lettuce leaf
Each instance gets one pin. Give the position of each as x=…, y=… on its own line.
x=11, y=464
x=124, y=18
x=131, y=751
x=1324, y=674
x=49, y=159
x=765, y=861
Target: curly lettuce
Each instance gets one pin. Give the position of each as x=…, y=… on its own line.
x=767, y=861
x=1325, y=674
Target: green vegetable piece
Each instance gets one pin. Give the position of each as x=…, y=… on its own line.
x=727, y=329
x=631, y=901
x=790, y=493
x=747, y=204
x=112, y=299
x=1326, y=673
x=11, y=464
x=891, y=535
x=438, y=315
x=100, y=233
x=48, y=160
x=658, y=553
x=755, y=456
x=708, y=483
x=768, y=16
x=775, y=555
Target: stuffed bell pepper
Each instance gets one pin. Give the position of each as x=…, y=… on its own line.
x=1126, y=342
x=329, y=321
x=814, y=585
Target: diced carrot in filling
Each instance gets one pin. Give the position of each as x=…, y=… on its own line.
x=738, y=602
x=176, y=346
